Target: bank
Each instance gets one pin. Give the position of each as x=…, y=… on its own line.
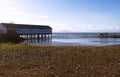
x=22, y=60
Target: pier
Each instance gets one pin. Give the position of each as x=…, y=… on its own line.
x=36, y=37
x=29, y=32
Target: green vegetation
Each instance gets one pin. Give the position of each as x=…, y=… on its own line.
x=10, y=36
x=22, y=60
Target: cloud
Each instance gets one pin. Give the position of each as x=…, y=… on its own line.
x=2, y=8
x=87, y=28
x=11, y=13
x=25, y=14
x=101, y=28
x=32, y=15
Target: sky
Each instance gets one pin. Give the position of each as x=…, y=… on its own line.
x=64, y=15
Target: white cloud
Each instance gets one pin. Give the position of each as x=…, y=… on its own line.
x=3, y=8
x=87, y=28
x=12, y=13
x=32, y=15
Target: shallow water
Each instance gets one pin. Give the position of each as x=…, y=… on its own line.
x=77, y=39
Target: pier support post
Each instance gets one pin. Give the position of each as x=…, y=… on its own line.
x=38, y=37
x=45, y=37
x=41, y=37
x=27, y=36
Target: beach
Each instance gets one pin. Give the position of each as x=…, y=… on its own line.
x=23, y=60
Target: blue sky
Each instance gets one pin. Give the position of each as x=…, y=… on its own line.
x=64, y=15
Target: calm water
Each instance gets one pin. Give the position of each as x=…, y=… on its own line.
x=77, y=39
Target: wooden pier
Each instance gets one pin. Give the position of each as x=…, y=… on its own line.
x=29, y=32
x=37, y=37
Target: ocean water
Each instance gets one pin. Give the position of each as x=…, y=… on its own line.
x=77, y=39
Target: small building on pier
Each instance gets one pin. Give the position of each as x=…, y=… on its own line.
x=26, y=30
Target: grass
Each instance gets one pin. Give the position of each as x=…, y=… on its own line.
x=22, y=60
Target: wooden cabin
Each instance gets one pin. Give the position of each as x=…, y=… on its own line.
x=26, y=29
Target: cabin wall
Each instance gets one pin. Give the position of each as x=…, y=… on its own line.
x=3, y=29
x=34, y=31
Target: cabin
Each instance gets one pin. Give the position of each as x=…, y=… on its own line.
x=27, y=30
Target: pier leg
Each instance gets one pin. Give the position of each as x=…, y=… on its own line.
x=51, y=37
x=42, y=37
x=34, y=37
x=48, y=37
x=38, y=37
x=45, y=37
x=27, y=36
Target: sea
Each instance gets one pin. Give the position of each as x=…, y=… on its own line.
x=76, y=39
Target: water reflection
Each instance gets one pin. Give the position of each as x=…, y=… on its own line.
x=36, y=40
x=106, y=40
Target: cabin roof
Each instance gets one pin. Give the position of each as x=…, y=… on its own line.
x=28, y=26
